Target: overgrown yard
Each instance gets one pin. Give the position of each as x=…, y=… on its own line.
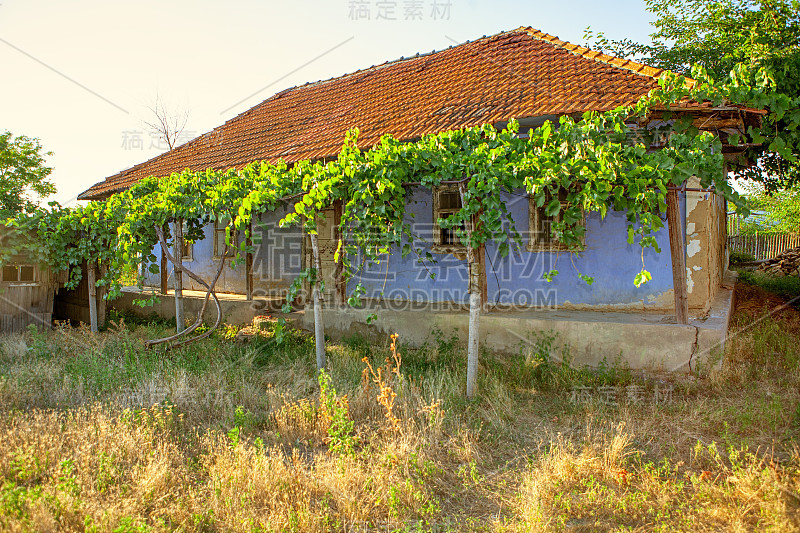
x=99, y=434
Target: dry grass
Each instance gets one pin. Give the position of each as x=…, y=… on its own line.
x=99, y=434
x=603, y=484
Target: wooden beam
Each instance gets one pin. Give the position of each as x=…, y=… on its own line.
x=91, y=282
x=164, y=273
x=249, y=264
x=340, y=296
x=717, y=123
x=319, y=328
x=480, y=265
x=677, y=248
x=481, y=262
x=101, y=298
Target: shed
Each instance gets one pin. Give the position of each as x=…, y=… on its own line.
x=27, y=290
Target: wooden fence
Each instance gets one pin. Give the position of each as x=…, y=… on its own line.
x=763, y=246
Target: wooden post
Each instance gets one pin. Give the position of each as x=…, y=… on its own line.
x=677, y=248
x=319, y=327
x=340, y=290
x=475, y=293
x=180, y=322
x=91, y=281
x=248, y=263
x=480, y=260
x=164, y=274
x=100, y=298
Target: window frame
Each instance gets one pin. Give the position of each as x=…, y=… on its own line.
x=438, y=245
x=535, y=215
x=219, y=233
x=187, y=254
x=18, y=268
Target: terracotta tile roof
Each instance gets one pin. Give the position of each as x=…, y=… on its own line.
x=515, y=74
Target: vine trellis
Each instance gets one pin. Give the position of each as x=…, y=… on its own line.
x=599, y=160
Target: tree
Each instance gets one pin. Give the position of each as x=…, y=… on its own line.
x=23, y=175
x=781, y=209
x=721, y=36
x=166, y=124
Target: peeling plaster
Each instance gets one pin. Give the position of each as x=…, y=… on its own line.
x=693, y=247
x=630, y=306
x=705, y=223
x=653, y=302
x=692, y=201
x=665, y=299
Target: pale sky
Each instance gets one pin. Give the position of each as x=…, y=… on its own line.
x=79, y=74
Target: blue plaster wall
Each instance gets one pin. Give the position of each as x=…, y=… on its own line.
x=277, y=259
x=404, y=279
x=517, y=279
x=204, y=265
x=278, y=255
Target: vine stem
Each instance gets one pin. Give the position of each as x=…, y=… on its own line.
x=180, y=323
x=210, y=293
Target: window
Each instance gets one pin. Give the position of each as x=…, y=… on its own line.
x=446, y=203
x=219, y=240
x=19, y=274
x=26, y=273
x=10, y=273
x=541, y=230
x=187, y=252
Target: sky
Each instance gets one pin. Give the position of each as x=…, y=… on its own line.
x=81, y=74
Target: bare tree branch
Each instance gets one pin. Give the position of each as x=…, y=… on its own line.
x=167, y=125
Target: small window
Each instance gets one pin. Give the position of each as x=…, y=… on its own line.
x=219, y=240
x=26, y=273
x=187, y=251
x=541, y=226
x=446, y=203
x=10, y=273
x=19, y=273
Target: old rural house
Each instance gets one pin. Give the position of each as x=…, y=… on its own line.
x=523, y=74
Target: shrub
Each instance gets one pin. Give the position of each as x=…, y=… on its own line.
x=741, y=257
